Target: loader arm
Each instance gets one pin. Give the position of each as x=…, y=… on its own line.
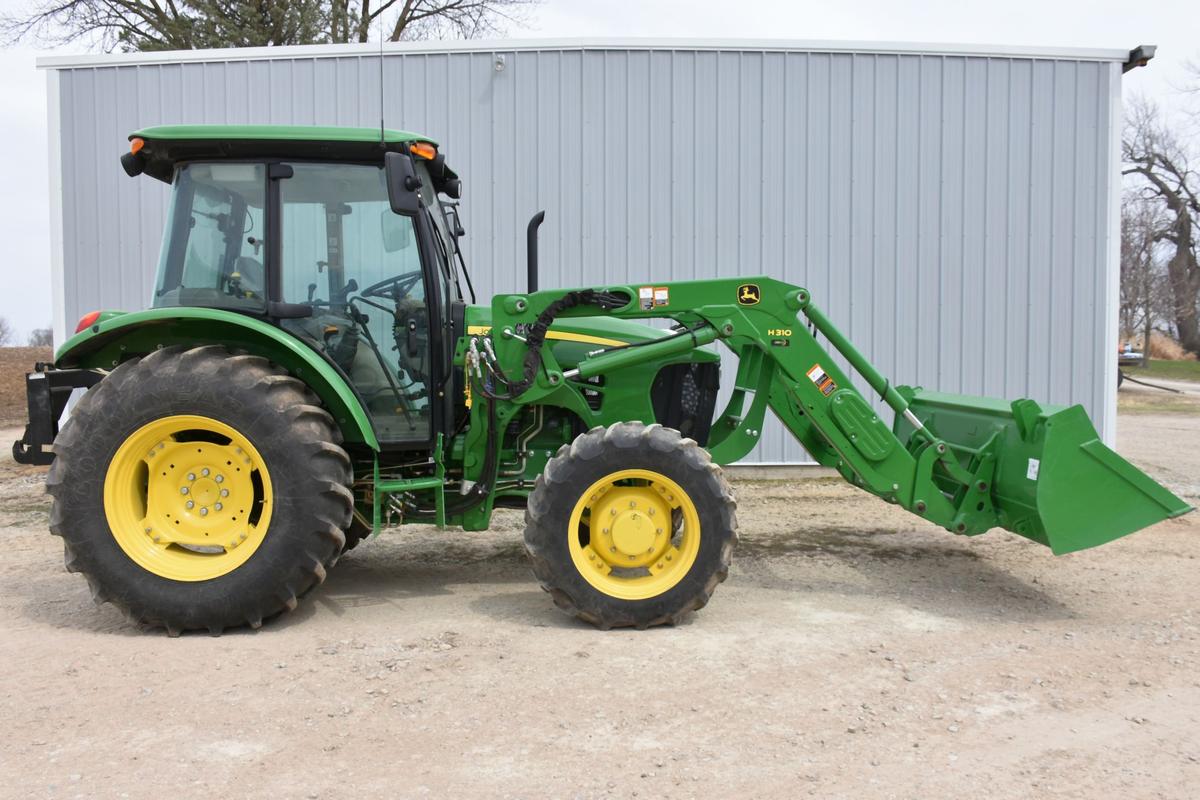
x=1041, y=472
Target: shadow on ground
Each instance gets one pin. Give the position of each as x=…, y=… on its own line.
x=939, y=576
x=943, y=578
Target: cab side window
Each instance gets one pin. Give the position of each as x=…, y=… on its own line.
x=212, y=253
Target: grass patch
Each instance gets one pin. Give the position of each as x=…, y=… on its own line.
x=1157, y=403
x=1172, y=370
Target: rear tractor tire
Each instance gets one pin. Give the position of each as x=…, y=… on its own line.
x=631, y=526
x=198, y=489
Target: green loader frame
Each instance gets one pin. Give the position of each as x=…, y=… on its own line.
x=967, y=464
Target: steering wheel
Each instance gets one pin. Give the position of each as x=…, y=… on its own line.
x=395, y=288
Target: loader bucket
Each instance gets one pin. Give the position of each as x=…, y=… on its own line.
x=1055, y=481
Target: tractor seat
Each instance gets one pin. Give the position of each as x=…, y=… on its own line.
x=252, y=274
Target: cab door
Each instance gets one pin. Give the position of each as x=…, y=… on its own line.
x=345, y=253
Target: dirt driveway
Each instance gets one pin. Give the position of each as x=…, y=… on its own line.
x=854, y=652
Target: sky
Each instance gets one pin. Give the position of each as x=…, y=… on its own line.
x=1171, y=24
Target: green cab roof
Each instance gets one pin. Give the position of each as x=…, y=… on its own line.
x=276, y=133
x=166, y=146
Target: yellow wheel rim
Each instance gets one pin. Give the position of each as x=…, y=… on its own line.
x=634, y=534
x=188, y=498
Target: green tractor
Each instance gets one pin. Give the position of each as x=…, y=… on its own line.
x=315, y=367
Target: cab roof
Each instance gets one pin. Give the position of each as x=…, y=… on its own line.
x=167, y=145
x=277, y=133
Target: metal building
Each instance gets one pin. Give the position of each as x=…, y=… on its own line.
x=954, y=208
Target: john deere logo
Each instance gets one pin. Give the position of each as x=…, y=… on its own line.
x=748, y=294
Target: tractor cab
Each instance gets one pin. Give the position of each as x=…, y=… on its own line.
x=305, y=233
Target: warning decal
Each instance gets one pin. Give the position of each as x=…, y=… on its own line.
x=662, y=296
x=646, y=298
x=822, y=381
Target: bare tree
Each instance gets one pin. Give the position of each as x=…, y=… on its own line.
x=1145, y=290
x=132, y=25
x=1191, y=90
x=41, y=337
x=1159, y=165
x=7, y=334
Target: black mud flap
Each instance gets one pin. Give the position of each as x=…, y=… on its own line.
x=46, y=394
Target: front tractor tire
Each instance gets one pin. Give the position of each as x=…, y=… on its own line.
x=197, y=489
x=631, y=526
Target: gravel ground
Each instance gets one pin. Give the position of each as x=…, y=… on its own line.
x=855, y=651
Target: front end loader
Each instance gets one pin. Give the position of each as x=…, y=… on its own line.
x=315, y=368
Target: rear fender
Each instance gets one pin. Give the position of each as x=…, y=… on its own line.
x=117, y=337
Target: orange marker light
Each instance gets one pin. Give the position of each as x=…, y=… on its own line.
x=87, y=320
x=136, y=144
x=424, y=150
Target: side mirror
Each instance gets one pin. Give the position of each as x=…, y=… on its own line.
x=456, y=226
x=397, y=231
x=459, y=230
x=402, y=183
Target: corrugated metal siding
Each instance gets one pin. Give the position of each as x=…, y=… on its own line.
x=951, y=212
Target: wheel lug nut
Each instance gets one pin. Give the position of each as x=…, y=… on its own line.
x=216, y=507
x=183, y=490
x=224, y=493
x=190, y=504
x=658, y=532
x=204, y=512
x=219, y=479
x=191, y=476
x=204, y=472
